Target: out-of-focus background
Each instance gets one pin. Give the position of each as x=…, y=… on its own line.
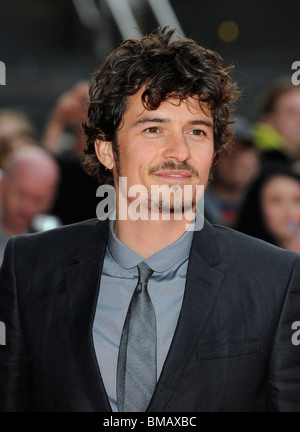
x=48, y=45
x=50, y=49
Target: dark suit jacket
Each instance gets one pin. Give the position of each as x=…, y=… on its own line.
x=232, y=349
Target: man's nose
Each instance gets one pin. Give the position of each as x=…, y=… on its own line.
x=177, y=148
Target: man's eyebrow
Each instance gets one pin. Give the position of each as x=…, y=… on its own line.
x=166, y=120
x=152, y=120
x=202, y=123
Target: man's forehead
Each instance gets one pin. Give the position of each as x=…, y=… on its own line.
x=193, y=103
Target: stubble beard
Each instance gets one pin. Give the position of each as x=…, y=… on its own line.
x=173, y=202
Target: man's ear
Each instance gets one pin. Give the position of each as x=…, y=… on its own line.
x=105, y=153
x=213, y=162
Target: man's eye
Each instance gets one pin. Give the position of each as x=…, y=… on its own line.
x=152, y=130
x=198, y=132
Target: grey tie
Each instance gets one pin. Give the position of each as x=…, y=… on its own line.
x=136, y=371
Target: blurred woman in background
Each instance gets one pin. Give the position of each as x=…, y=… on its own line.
x=272, y=208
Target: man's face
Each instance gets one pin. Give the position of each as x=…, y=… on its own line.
x=172, y=145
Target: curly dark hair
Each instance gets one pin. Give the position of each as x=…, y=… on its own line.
x=165, y=68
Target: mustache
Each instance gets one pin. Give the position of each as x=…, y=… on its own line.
x=169, y=165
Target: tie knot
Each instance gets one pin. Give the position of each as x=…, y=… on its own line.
x=144, y=272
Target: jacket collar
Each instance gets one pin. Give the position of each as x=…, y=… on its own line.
x=204, y=242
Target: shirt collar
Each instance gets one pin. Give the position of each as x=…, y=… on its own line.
x=161, y=261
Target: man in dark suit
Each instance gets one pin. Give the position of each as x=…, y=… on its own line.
x=151, y=313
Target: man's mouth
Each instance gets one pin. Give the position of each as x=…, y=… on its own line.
x=174, y=174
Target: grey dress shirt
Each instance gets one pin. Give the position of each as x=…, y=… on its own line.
x=118, y=281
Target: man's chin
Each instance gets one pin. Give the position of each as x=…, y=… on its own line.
x=172, y=208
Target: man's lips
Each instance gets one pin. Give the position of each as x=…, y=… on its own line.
x=174, y=174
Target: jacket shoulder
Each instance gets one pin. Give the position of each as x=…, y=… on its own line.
x=234, y=244
x=59, y=244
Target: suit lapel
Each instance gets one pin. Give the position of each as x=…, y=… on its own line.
x=83, y=281
x=203, y=284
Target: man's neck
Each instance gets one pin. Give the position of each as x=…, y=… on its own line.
x=148, y=237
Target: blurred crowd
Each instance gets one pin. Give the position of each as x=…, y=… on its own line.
x=255, y=188
x=42, y=183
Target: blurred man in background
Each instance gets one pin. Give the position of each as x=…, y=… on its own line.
x=231, y=177
x=9, y=144
x=13, y=123
x=277, y=134
x=28, y=188
x=16, y=130
x=63, y=136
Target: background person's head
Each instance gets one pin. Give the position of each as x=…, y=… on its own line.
x=280, y=201
x=14, y=123
x=237, y=168
x=16, y=130
x=9, y=144
x=231, y=177
x=272, y=207
x=28, y=187
x=280, y=109
x=162, y=69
